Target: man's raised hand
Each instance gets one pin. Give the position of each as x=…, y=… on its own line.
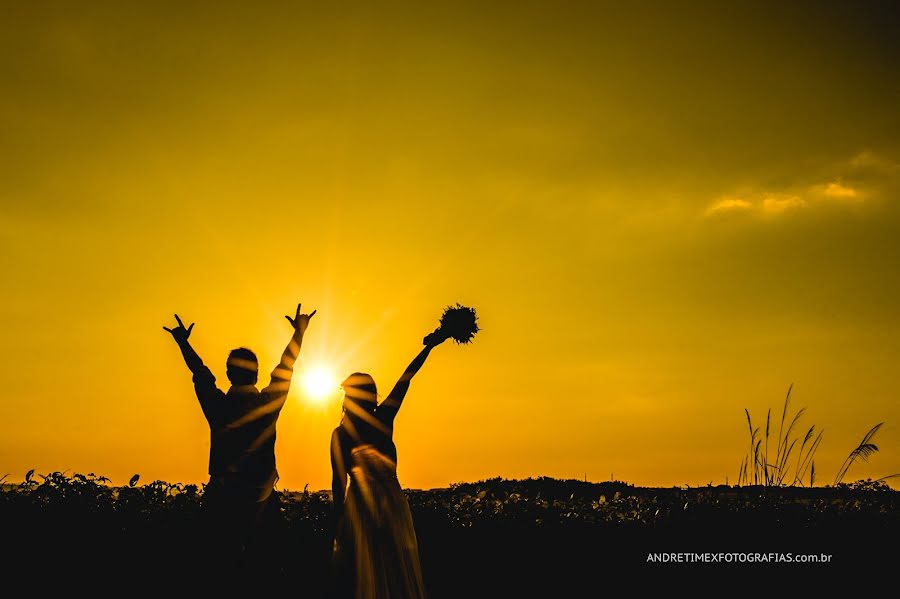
x=180, y=333
x=300, y=321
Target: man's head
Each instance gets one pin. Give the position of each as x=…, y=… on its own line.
x=242, y=367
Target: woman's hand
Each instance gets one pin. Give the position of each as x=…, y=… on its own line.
x=434, y=338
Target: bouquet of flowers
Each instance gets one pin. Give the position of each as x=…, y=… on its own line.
x=458, y=323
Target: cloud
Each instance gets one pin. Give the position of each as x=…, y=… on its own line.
x=863, y=177
x=836, y=190
x=728, y=205
x=867, y=160
x=759, y=203
x=774, y=204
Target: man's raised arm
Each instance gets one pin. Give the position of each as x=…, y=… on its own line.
x=281, y=376
x=204, y=381
x=181, y=334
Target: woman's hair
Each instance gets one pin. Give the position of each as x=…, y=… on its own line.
x=360, y=399
x=360, y=388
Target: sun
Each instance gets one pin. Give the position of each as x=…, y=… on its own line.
x=318, y=383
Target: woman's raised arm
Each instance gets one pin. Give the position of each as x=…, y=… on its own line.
x=388, y=409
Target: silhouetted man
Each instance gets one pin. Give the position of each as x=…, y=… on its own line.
x=242, y=471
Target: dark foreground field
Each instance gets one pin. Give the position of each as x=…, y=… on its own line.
x=495, y=538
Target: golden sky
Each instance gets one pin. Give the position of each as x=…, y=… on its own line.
x=662, y=215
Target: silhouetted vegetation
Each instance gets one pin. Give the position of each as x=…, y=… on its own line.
x=515, y=534
x=757, y=469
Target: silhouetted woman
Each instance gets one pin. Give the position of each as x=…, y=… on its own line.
x=376, y=555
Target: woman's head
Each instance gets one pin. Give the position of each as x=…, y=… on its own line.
x=359, y=389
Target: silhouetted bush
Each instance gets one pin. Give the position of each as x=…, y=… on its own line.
x=528, y=535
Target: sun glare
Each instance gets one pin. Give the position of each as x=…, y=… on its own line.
x=318, y=383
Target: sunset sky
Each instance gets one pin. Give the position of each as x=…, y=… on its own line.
x=662, y=214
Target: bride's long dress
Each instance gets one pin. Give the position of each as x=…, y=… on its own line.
x=376, y=551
